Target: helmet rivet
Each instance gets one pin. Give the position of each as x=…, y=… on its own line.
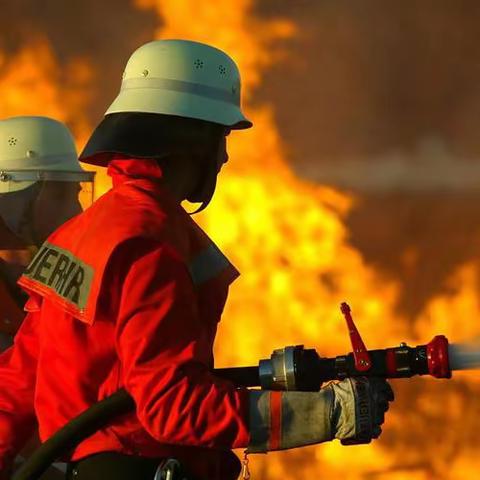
x=31, y=153
x=4, y=177
x=145, y=73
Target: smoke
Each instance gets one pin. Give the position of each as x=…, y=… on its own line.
x=362, y=80
x=381, y=98
x=365, y=78
x=430, y=168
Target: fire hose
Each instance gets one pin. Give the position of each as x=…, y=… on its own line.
x=289, y=368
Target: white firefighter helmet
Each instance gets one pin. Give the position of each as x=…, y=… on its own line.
x=182, y=78
x=37, y=148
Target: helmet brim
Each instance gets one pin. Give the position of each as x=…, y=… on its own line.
x=136, y=134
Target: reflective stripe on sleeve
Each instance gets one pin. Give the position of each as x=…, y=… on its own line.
x=275, y=421
x=259, y=421
x=207, y=265
x=282, y=420
x=265, y=421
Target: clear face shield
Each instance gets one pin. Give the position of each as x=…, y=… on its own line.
x=75, y=185
x=34, y=203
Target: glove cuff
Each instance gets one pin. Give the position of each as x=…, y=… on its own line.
x=282, y=420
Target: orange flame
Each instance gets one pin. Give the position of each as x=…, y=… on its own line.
x=33, y=83
x=285, y=235
x=289, y=240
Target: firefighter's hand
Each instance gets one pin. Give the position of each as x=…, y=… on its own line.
x=359, y=408
x=351, y=411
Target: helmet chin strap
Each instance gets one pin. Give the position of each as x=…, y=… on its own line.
x=210, y=182
x=202, y=207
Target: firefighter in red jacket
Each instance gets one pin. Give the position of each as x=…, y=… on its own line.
x=40, y=178
x=129, y=295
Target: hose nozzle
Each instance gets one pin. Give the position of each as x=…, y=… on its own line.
x=437, y=358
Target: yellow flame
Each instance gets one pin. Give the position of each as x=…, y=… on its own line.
x=288, y=238
x=454, y=313
x=33, y=83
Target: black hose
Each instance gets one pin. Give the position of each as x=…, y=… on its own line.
x=98, y=416
x=75, y=431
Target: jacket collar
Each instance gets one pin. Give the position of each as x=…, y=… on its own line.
x=122, y=168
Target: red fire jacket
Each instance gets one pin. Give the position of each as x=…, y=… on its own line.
x=127, y=294
x=14, y=257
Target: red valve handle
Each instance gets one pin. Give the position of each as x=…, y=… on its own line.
x=361, y=356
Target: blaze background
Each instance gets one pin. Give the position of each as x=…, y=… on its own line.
x=360, y=181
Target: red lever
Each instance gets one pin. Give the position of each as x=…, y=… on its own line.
x=360, y=352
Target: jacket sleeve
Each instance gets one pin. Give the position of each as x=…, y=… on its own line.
x=165, y=350
x=18, y=367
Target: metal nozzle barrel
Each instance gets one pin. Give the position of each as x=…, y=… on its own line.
x=300, y=369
